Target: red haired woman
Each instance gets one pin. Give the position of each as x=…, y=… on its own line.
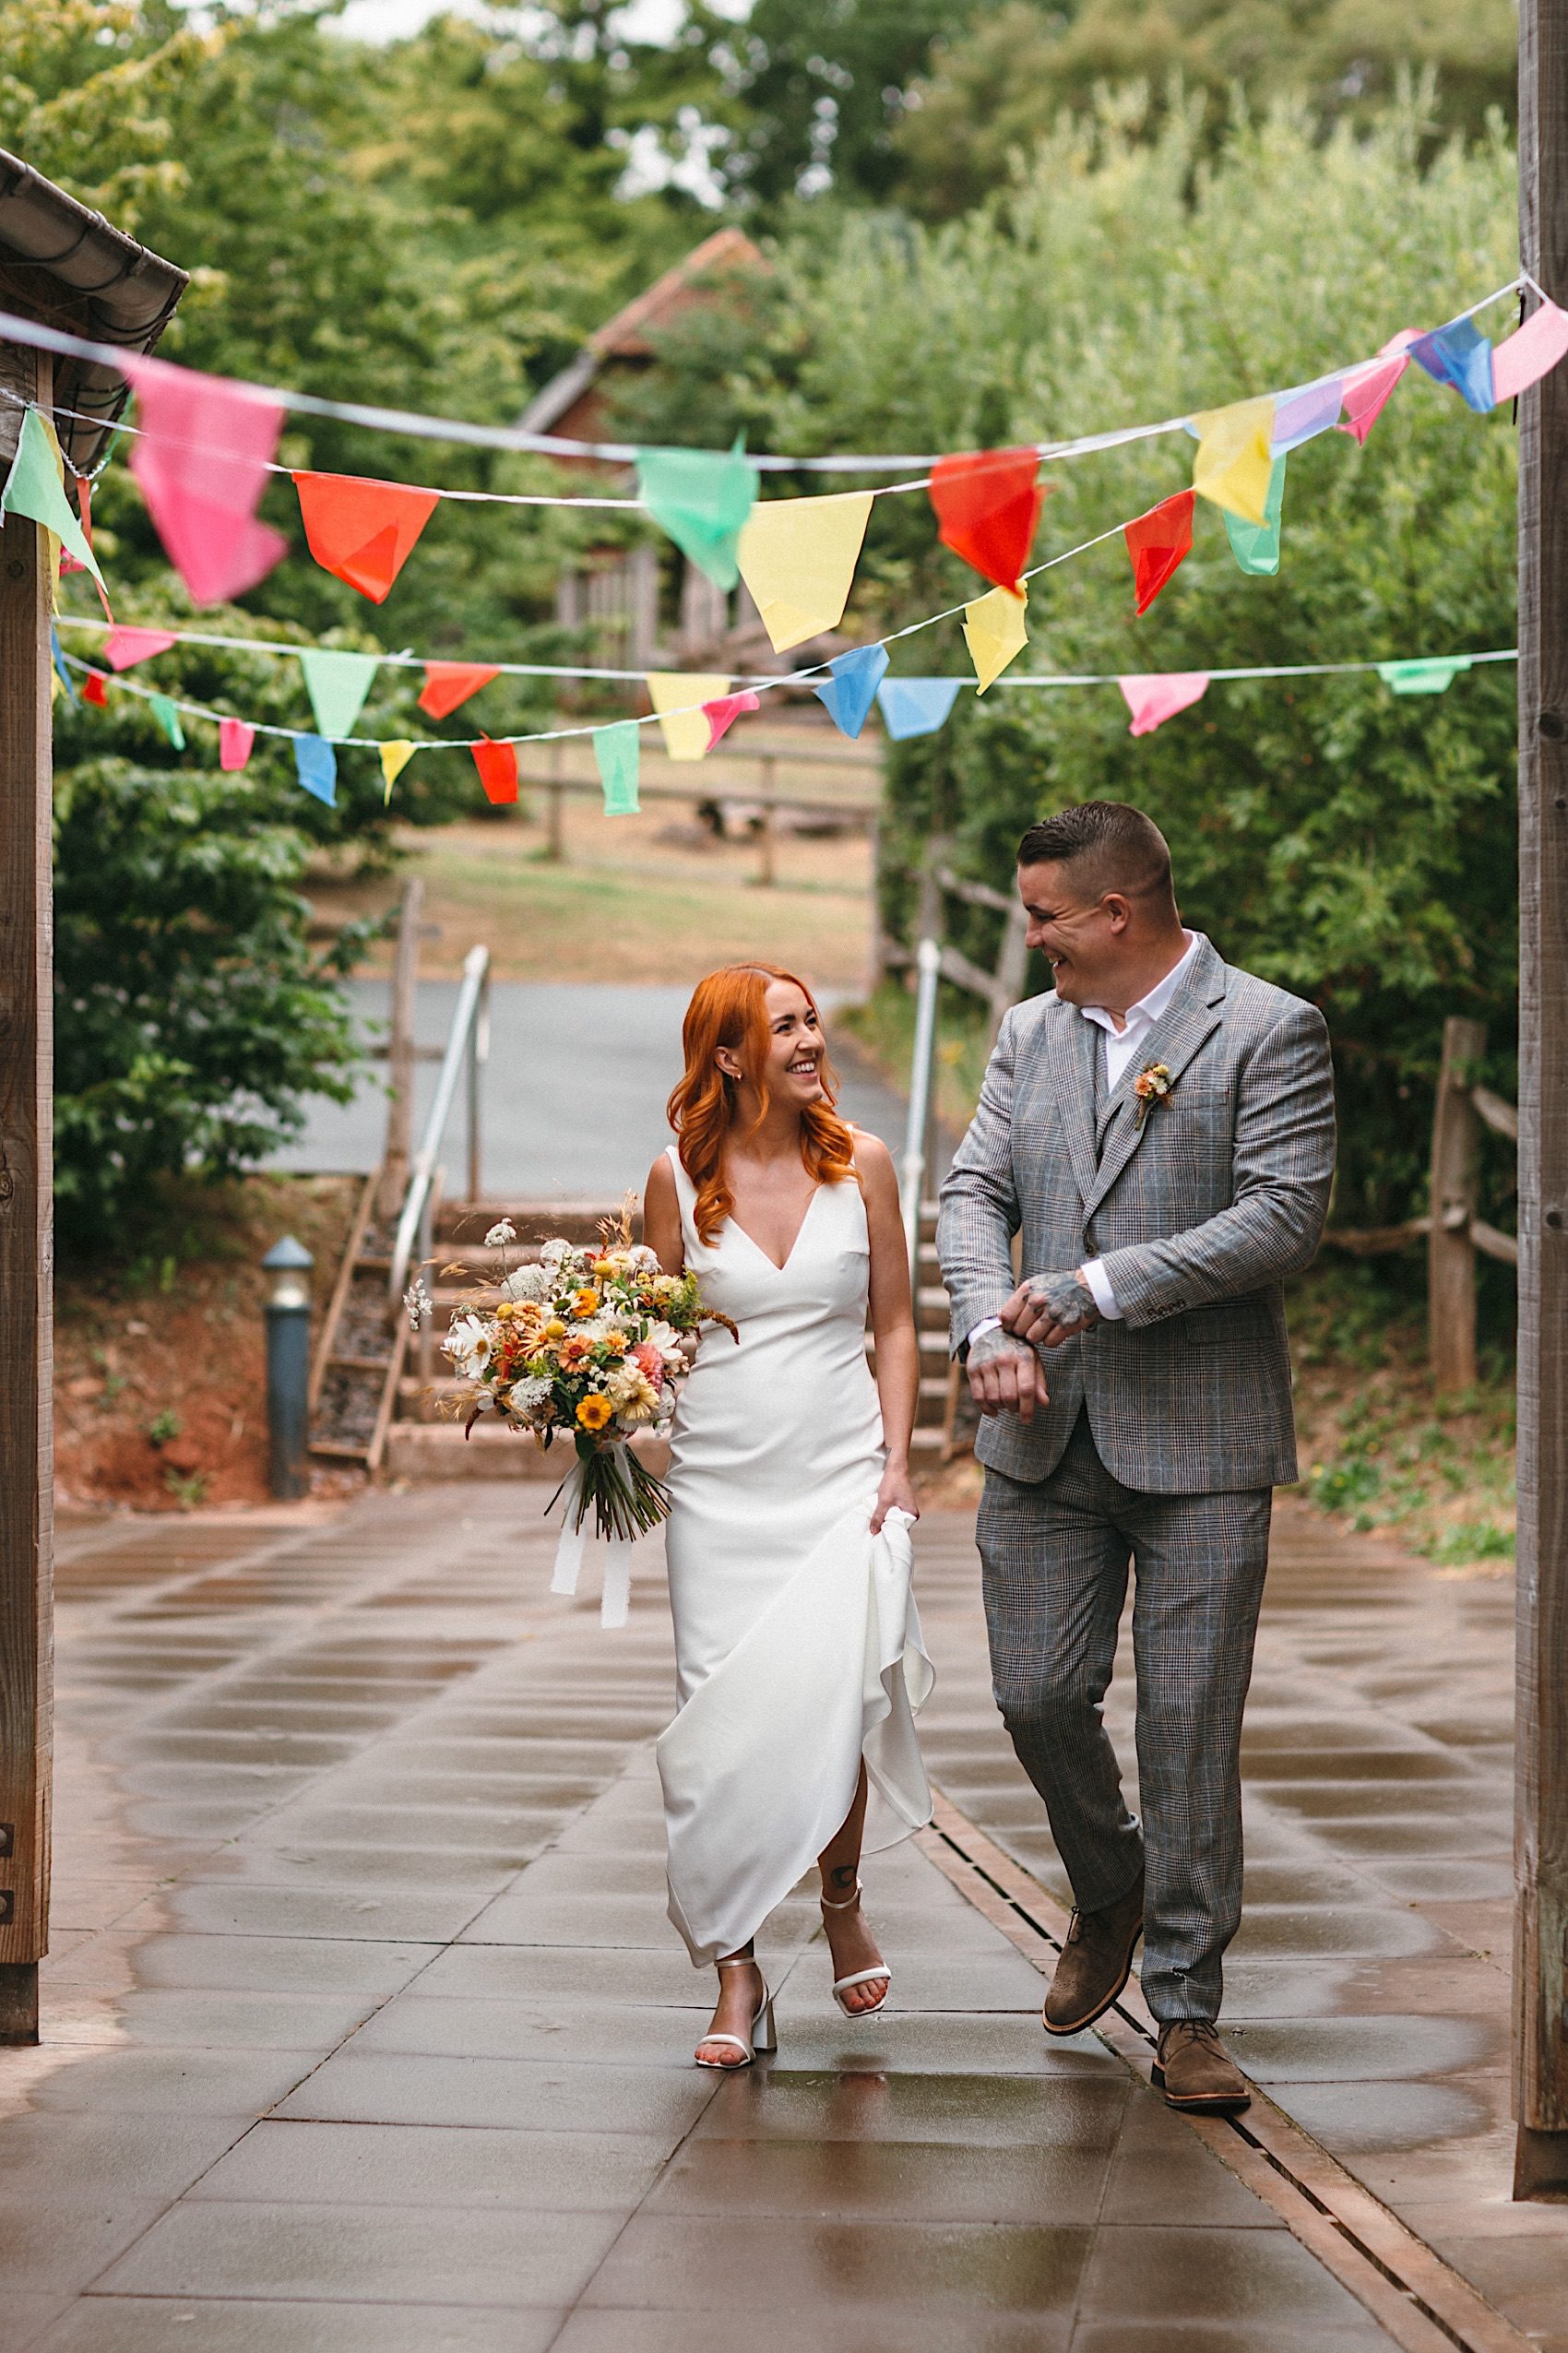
x=798, y=1648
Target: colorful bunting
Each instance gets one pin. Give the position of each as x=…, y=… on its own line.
x=69, y=562
x=235, y=737
x=122, y=648
x=1429, y=677
x=1459, y=355
x=1154, y=699
x=798, y=558
x=995, y=631
x=95, y=688
x=1366, y=392
x=1523, y=358
x=916, y=705
x=395, y=756
x=1255, y=546
x=361, y=530
x=201, y=459
x=722, y=714
x=850, y=689
x=168, y=718
x=34, y=488
x=338, y=684
x=618, y=751
x=1157, y=543
x=315, y=764
x=678, y=699
x=1233, y=458
x=448, y=683
x=497, y=766
x=701, y=498
x=62, y=677
x=1299, y=416
x=988, y=503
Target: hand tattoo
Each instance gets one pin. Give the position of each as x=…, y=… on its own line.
x=1064, y=1298
x=998, y=1343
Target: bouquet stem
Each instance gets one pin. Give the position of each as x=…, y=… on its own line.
x=625, y=1497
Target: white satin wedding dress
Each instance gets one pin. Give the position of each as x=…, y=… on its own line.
x=797, y=1641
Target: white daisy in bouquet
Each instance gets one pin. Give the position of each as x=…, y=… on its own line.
x=589, y=1343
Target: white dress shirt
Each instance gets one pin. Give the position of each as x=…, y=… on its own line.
x=1121, y=1045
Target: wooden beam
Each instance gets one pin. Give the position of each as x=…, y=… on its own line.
x=27, y=1246
x=1541, y=1819
x=1451, y=1258
x=400, y=1097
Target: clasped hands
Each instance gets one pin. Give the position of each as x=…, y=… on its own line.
x=1005, y=1373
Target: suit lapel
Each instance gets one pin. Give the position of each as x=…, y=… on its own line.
x=1191, y=1018
x=1071, y=1046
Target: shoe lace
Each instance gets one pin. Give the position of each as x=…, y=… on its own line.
x=1202, y=2030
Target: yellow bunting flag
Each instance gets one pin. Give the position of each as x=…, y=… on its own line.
x=678, y=697
x=798, y=558
x=994, y=631
x=395, y=758
x=1234, y=463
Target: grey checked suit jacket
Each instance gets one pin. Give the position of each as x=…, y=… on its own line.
x=1199, y=1214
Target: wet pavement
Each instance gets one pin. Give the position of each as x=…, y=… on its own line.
x=364, y=2028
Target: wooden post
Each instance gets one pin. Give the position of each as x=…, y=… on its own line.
x=401, y=1101
x=1012, y=963
x=1451, y=1255
x=26, y=1240
x=555, y=839
x=1541, y=1770
x=767, y=868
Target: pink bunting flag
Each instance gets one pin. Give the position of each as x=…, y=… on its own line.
x=1154, y=699
x=235, y=737
x=122, y=648
x=1525, y=357
x=1367, y=389
x=722, y=713
x=201, y=459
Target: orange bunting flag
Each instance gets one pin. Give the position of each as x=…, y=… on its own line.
x=362, y=532
x=497, y=766
x=1157, y=543
x=987, y=504
x=448, y=683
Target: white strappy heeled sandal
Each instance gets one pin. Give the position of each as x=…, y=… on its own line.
x=763, y=2036
x=882, y=1975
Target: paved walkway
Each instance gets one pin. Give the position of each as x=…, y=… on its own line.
x=365, y=2032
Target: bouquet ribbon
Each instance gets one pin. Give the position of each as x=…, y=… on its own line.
x=615, y=1606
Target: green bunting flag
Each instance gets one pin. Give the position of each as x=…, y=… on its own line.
x=33, y=488
x=168, y=718
x=1430, y=677
x=618, y=751
x=338, y=684
x=1255, y=546
x=701, y=498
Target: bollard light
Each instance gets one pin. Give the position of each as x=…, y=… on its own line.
x=288, y=1263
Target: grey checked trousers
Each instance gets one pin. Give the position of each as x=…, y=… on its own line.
x=1055, y=1557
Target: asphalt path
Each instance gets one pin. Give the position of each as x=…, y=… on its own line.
x=574, y=1089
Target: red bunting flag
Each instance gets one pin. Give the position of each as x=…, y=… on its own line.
x=497, y=766
x=362, y=532
x=987, y=504
x=235, y=737
x=95, y=685
x=1157, y=543
x=124, y=647
x=722, y=713
x=448, y=683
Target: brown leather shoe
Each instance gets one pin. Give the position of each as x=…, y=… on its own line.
x=1194, y=2070
x=1096, y=1963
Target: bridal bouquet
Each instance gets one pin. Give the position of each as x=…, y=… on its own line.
x=586, y=1343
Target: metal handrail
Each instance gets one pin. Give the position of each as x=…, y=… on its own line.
x=911, y=1180
x=467, y=1041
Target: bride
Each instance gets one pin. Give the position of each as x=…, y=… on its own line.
x=798, y=1648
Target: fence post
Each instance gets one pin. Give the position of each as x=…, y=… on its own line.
x=767, y=870
x=401, y=1098
x=1451, y=1255
x=555, y=838
x=1012, y=963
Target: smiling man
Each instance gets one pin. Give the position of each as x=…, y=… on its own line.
x=1159, y=1130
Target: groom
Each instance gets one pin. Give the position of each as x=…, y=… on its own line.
x=1159, y=1130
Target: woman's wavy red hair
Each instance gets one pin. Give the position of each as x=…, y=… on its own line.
x=730, y=1008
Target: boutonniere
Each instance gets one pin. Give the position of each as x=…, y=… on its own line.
x=1152, y=1086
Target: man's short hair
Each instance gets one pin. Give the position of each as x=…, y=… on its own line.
x=1109, y=845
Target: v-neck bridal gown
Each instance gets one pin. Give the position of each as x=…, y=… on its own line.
x=797, y=1641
